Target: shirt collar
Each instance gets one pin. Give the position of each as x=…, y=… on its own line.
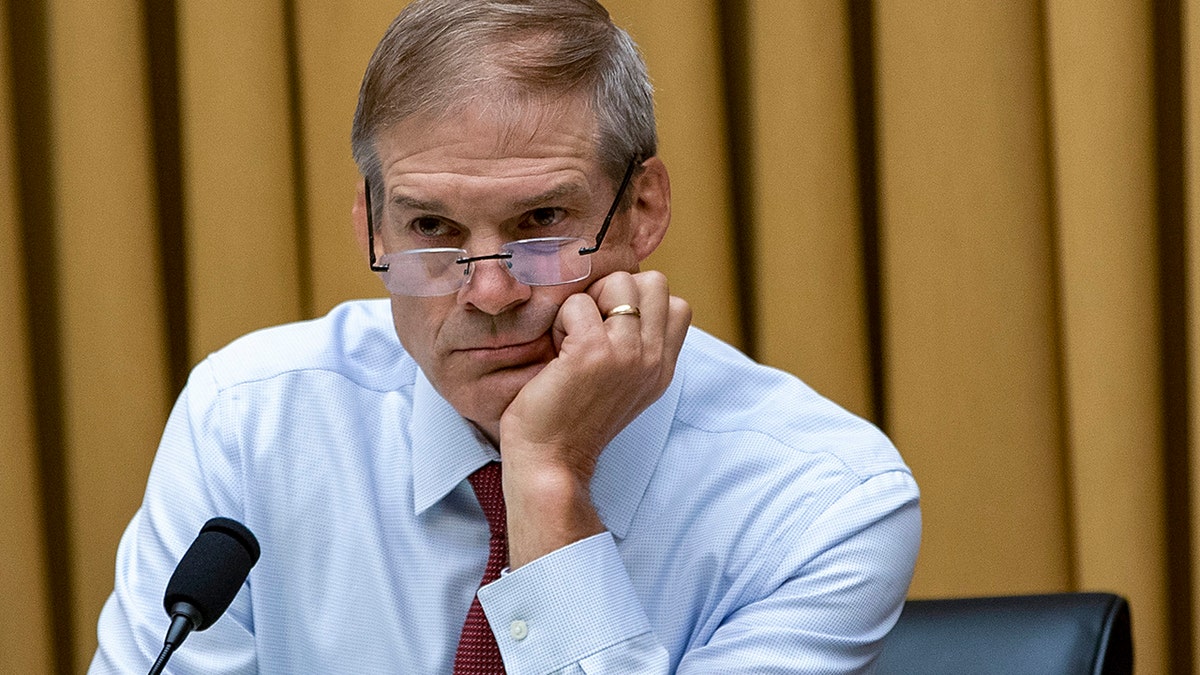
x=447, y=448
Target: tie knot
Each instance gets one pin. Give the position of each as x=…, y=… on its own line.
x=486, y=481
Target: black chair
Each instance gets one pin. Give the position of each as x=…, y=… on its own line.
x=1085, y=633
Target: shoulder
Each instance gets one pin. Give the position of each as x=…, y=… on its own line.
x=725, y=393
x=356, y=341
x=773, y=473
x=756, y=451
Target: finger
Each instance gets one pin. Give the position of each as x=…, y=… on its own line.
x=617, y=290
x=678, y=321
x=675, y=328
x=645, y=291
x=654, y=304
x=596, y=288
x=577, y=315
x=612, y=290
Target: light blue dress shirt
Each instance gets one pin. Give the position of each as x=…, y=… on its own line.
x=752, y=526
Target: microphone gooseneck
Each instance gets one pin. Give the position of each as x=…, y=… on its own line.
x=206, y=580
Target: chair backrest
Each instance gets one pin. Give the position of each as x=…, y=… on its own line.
x=1084, y=633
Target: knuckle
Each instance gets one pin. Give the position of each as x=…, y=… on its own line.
x=681, y=308
x=653, y=278
x=620, y=277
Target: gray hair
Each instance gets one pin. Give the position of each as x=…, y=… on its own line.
x=440, y=54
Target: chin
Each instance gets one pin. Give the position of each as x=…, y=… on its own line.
x=494, y=392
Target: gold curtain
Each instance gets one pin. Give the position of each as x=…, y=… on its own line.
x=977, y=224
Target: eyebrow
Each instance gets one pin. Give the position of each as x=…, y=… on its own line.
x=431, y=206
x=558, y=192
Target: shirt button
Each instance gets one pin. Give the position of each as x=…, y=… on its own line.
x=518, y=630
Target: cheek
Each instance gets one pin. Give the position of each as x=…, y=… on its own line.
x=417, y=324
x=617, y=254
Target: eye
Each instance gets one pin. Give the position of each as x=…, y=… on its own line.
x=544, y=217
x=428, y=226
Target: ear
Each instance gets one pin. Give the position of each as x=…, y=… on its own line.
x=358, y=213
x=650, y=213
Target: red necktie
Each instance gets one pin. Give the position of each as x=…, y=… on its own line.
x=478, y=653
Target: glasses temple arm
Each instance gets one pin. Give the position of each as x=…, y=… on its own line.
x=612, y=210
x=371, y=230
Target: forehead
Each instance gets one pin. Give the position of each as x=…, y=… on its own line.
x=492, y=135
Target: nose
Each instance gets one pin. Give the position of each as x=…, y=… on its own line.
x=491, y=289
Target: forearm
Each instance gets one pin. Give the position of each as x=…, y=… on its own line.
x=548, y=507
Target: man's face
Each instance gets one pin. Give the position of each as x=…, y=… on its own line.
x=476, y=181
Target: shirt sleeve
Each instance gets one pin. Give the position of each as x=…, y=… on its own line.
x=574, y=603
x=836, y=594
x=822, y=605
x=182, y=493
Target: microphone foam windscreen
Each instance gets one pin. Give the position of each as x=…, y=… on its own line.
x=212, y=571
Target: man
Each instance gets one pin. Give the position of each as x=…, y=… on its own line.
x=664, y=505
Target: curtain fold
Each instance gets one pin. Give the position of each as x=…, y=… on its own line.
x=24, y=614
x=109, y=331
x=1190, y=63
x=1102, y=107
x=682, y=39
x=332, y=48
x=808, y=277
x=968, y=293
x=242, y=259
x=973, y=223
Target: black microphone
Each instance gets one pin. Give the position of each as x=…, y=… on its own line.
x=206, y=580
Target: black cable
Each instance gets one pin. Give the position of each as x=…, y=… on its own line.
x=161, y=662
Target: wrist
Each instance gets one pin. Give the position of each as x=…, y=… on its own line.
x=548, y=507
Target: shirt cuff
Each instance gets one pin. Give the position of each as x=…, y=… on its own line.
x=563, y=607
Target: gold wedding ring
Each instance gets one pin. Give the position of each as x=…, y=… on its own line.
x=622, y=310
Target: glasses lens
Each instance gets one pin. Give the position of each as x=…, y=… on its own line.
x=548, y=261
x=424, y=273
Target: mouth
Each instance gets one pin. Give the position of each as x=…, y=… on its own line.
x=501, y=355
